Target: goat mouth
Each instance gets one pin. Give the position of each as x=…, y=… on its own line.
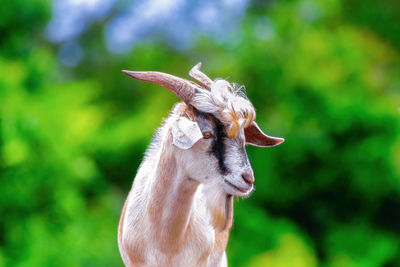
x=242, y=190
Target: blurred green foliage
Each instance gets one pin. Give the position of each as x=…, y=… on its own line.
x=328, y=81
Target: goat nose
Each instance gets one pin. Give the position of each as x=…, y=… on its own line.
x=248, y=177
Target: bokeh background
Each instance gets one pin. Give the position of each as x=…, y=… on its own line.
x=324, y=74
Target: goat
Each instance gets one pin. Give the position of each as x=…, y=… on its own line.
x=180, y=208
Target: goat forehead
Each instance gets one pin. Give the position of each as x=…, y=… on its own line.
x=228, y=103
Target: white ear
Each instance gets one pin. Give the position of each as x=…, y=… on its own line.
x=185, y=133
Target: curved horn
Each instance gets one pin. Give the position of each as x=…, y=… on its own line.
x=182, y=88
x=199, y=76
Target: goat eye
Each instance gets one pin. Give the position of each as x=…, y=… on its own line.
x=207, y=135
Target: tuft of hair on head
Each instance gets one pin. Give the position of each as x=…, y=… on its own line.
x=228, y=103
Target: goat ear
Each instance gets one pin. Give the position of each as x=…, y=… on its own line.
x=185, y=133
x=254, y=136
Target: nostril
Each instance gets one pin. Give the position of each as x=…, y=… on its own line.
x=248, y=177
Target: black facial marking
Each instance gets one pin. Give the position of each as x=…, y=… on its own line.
x=218, y=146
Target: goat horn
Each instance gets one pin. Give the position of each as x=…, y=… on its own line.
x=182, y=88
x=199, y=76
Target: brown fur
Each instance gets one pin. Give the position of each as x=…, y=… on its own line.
x=135, y=256
x=174, y=228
